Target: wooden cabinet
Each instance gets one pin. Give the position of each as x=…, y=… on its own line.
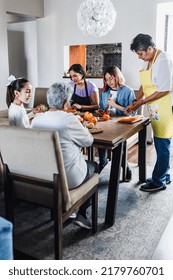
x=77, y=54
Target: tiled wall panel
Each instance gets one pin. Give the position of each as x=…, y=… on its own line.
x=99, y=57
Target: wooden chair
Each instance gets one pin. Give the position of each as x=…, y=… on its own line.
x=34, y=172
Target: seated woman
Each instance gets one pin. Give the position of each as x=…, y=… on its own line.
x=73, y=137
x=19, y=92
x=85, y=96
x=115, y=97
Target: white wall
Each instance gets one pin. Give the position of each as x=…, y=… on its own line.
x=23, y=58
x=165, y=9
x=25, y=7
x=3, y=55
x=32, y=8
x=61, y=30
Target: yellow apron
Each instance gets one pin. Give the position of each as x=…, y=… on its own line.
x=160, y=110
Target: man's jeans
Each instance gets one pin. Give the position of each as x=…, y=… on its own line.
x=161, y=169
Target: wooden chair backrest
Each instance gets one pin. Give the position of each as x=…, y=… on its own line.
x=34, y=153
x=40, y=96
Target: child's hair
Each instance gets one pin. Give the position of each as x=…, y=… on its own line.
x=17, y=84
x=115, y=72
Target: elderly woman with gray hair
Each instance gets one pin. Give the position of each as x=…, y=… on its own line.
x=73, y=137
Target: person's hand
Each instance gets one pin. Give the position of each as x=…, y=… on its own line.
x=76, y=106
x=111, y=103
x=40, y=109
x=133, y=107
x=67, y=106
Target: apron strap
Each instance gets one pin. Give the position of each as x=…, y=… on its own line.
x=86, y=90
x=74, y=95
x=154, y=58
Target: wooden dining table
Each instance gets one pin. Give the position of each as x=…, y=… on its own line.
x=113, y=137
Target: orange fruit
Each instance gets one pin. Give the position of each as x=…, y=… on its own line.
x=100, y=112
x=106, y=117
x=87, y=116
x=93, y=120
x=71, y=110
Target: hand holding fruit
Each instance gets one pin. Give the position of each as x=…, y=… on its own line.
x=76, y=106
x=111, y=103
x=40, y=109
x=134, y=106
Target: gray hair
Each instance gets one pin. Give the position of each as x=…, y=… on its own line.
x=58, y=94
x=142, y=42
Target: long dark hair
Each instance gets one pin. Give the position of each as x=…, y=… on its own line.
x=17, y=84
x=78, y=69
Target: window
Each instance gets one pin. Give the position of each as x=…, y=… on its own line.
x=164, y=38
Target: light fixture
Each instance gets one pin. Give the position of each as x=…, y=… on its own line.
x=96, y=17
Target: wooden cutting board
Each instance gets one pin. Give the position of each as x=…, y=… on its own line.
x=129, y=120
x=95, y=130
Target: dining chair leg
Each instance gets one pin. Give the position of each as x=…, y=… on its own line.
x=8, y=190
x=51, y=214
x=91, y=153
x=58, y=240
x=58, y=226
x=94, y=211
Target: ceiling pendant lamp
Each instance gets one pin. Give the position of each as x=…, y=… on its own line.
x=96, y=17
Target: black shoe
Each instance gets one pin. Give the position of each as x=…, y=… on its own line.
x=150, y=187
x=149, y=180
x=128, y=175
x=101, y=166
x=168, y=182
x=82, y=222
x=73, y=216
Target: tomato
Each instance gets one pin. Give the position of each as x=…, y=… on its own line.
x=106, y=117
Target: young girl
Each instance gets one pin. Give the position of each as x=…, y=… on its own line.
x=115, y=97
x=85, y=96
x=19, y=92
